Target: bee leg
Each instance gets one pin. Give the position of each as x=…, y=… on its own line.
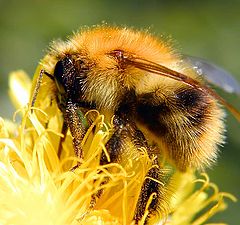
x=152, y=196
x=153, y=193
x=115, y=147
x=77, y=128
x=62, y=139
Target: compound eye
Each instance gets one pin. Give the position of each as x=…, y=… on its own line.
x=64, y=73
x=59, y=72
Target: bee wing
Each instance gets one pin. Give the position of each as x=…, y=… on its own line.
x=214, y=74
x=161, y=70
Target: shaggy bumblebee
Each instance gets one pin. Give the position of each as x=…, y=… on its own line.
x=156, y=98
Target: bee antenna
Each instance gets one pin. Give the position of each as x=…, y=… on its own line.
x=48, y=75
x=38, y=84
x=166, y=72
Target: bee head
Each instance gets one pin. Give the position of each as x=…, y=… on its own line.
x=68, y=77
x=64, y=74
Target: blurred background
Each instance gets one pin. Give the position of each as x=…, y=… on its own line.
x=208, y=29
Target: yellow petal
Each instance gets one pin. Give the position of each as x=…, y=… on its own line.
x=20, y=86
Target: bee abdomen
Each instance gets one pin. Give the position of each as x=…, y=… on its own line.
x=187, y=125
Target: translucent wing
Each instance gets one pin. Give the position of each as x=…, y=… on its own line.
x=161, y=70
x=214, y=74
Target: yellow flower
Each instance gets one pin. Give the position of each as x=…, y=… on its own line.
x=38, y=187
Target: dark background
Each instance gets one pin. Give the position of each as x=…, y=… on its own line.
x=208, y=29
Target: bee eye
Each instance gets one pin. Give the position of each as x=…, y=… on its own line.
x=64, y=72
x=59, y=72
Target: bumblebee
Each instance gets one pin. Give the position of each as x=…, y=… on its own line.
x=156, y=97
